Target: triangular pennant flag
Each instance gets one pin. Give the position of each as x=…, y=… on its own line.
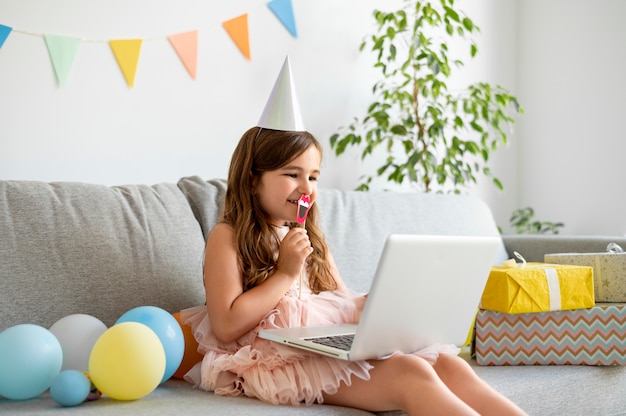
x=283, y=9
x=126, y=53
x=186, y=46
x=62, y=51
x=237, y=28
x=4, y=33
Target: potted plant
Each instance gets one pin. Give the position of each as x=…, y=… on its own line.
x=524, y=222
x=435, y=139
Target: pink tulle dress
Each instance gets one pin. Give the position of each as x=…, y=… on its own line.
x=274, y=372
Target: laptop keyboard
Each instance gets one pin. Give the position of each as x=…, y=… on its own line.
x=343, y=342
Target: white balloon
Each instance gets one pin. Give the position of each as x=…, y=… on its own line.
x=77, y=335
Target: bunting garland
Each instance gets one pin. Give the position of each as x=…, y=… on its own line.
x=63, y=49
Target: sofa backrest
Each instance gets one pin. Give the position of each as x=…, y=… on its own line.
x=356, y=224
x=70, y=248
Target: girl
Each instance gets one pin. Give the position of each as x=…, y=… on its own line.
x=253, y=264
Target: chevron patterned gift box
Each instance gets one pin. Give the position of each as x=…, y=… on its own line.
x=593, y=336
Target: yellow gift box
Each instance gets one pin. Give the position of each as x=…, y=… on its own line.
x=538, y=287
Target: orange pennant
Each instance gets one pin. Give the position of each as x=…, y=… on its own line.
x=237, y=28
x=186, y=46
x=126, y=53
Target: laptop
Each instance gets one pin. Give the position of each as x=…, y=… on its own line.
x=426, y=290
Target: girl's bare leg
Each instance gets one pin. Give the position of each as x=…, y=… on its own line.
x=404, y=382
x=410, y=383
x=461, y=379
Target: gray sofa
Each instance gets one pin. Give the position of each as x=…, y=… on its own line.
x=70, y=248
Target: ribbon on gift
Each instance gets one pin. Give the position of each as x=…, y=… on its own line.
x=612, y=248
x=554, y=286
x=513, y=263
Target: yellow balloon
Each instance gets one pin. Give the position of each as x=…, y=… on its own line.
x=127, y=362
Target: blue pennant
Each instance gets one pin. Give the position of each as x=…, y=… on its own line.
x=4, y=34
x=283, y=10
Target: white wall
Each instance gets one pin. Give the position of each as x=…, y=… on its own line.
x=571, y=66
x=563, y=59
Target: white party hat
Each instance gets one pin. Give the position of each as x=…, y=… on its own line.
x=282, y=111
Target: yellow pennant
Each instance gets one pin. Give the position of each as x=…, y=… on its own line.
x=126, y=53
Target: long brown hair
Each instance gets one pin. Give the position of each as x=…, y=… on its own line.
x=261, y=150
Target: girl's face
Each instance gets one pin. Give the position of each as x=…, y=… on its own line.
x=279, y=190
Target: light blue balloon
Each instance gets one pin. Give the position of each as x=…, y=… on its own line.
x=30, y=358
x=167, y=329
x=70, y=388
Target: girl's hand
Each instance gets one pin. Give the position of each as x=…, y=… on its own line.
x=293, y=251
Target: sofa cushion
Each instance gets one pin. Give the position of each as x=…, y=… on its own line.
x=206, y=199
x=82, y=248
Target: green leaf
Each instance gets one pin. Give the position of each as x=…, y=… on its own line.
x=452, y=14
x=333, y=139
x=473, y=50
x=392, y=52
x=468, y=24
x=472, y=147
x=477, y=127
x=435, y=68
x=497, y=183
x=342, y=145
x=383, y=168
x=399, y=129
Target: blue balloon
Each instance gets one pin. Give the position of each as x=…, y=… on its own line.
x=70, y=388
x=30, y=358
x=167, y=329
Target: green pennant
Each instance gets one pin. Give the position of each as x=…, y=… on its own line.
x=62, y=51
